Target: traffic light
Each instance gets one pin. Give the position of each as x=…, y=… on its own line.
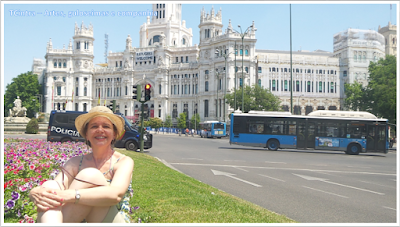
x=110, y=106
x=137, y=92
x=114, y=105
x=147, y=92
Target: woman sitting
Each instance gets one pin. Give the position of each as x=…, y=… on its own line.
x=95, y=187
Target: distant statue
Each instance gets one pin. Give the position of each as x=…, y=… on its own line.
x=18, y=110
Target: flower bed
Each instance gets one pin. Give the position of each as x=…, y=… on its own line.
x=27, y=164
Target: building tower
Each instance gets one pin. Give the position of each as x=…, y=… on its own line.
x=166, y=20
x=390, y=34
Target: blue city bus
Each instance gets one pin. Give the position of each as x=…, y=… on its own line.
x=349, y=131
x=211, y=129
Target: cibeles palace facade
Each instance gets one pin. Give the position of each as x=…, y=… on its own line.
x=187, y=77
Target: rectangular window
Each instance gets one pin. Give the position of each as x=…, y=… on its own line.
x=205, y=108
x=286, y=88
x=259, y=70
x=187, y=59
x=159, y=89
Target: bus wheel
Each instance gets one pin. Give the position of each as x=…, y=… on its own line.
x=64, y=140
x=131, y=145
x=353, y=149
x=273, y=145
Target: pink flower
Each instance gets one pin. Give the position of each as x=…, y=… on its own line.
x=32, y=167
x=22, y=188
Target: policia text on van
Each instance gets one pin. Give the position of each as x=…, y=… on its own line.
x=62, y=129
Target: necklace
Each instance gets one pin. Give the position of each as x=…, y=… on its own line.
x=103, y=161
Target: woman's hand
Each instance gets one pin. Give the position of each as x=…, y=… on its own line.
x=45, y=198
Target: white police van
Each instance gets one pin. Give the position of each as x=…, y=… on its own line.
x=62, y=129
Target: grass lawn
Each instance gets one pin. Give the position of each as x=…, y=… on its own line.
x=164, y=195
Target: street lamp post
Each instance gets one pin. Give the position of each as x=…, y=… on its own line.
x=217, y=73
x=242, y=35
x=226, y=55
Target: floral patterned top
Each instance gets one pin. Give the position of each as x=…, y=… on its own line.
x=123, y=206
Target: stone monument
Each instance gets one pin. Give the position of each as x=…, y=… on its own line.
x=17, y=113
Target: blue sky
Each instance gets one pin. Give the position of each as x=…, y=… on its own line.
x=313, y=26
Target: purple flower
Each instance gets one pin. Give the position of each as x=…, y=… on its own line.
x=10, y=204
x=15, y=195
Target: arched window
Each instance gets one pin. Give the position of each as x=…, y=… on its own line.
x=259, y=82
x=241, y=52
x=206, y=72
x=65, y=64
x=241, y=82
x=55, y=63
x=156, y=39
x=76, y=107
x=246, y=52
x=183, y=41
x=84, y=107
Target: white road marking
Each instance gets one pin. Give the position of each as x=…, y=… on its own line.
x=193, y=159
x=343, y=185
x=327, y=192
x=359, y=167
x=231, y=175
x=242, y=169
x=378, y=184
x=279, y=168
x=275, y=162
x=389, y=208
x=271, y=177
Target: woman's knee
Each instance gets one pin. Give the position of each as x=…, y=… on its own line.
x=51, y=184
x=91, y=175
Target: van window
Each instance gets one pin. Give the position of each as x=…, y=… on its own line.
x=61, y=118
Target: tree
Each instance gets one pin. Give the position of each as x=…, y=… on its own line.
x=168, y=121
x=381, y=88
x=356, y=97
x=182, y=120
x=195, y=121
x=255, y=98
x=26, y=86
x=155, y=122
x=379, y=97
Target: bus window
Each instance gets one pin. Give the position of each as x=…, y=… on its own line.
x=290, y=128
x=331, y=129
x=256, y=128
x=239, y=125
x=356, y=131
x=219, y=126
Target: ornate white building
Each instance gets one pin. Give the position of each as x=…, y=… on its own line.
x=191, y=78
x=390, y=34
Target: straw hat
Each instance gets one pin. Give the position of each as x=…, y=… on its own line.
x=82, y=120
